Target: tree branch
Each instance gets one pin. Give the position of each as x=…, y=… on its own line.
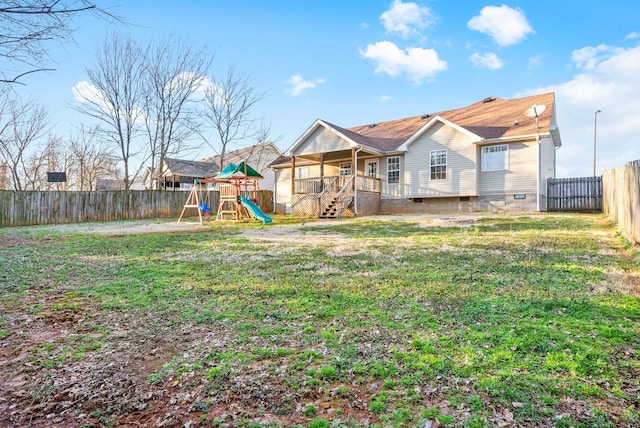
x=15, y=79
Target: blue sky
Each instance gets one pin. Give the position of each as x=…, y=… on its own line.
x=353, y=62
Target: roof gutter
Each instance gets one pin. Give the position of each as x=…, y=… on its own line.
x=555, y=135
x=533, y=137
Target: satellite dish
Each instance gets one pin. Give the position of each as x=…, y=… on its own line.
x=535, y=110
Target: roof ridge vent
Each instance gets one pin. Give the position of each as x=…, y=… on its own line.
x=489, y=99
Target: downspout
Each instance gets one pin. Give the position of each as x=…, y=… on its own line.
x=538, y=176
x=355, y=178
x=275, y=189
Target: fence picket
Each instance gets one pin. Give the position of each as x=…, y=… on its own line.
x=51, y=207
x=621, y=192
x=582, y=194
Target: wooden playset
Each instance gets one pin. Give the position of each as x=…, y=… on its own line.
x=234, y=183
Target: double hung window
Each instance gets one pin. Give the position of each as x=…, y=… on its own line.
x=393, y=170
x=438, y=164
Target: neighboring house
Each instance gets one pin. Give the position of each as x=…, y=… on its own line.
x=488, y=156
x=176, y=174
x=103, y=184
x=259, y=157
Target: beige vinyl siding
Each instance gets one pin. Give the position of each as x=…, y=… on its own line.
x=314, y=170
x=282, y=193
x=461, y=164
x=520, y=177
x=321, y=141
x=390, y=191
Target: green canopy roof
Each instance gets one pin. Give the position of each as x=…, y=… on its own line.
x=240, y=170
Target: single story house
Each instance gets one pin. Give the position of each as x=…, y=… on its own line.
x=259, y=156
x=108, y=184
x=494, y=155
x=176, y=174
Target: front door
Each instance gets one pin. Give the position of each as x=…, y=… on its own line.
x=371, y=168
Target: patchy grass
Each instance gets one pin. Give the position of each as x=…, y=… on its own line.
x=508, y=320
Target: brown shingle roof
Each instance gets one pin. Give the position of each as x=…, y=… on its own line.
x=490, y=118
x=501, y=118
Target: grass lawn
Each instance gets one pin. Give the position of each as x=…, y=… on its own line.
x=503, y=321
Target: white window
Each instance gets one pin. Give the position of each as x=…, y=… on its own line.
x=393, y=170
x=345, y=169
x=303, y=172
x=438, y=164
x=495, y=158
x=372, y=168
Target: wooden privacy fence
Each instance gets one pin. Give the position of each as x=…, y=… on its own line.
x=621, y=190
x=582, y=194
x=51, y=207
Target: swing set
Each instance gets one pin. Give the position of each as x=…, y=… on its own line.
x=234, y=182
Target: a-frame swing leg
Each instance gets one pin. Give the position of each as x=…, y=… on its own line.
x=192, y=202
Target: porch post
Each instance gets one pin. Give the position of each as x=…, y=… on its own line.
x=354, y=167
x=293, y=175
x=321, y=172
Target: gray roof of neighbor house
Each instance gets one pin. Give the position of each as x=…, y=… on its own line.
x=245, y=153
x=490, y=118
x=109, y=184
x=187, y=168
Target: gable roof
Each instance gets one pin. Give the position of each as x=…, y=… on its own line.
x=188, y=168
x=489, y=119
x=262, y=150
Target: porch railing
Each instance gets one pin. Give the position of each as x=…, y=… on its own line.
x=313, y=184
x=320, y=184
x=344, y=197
x=326, y=196
x=368, y=184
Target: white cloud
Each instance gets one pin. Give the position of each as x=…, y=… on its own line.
x=406, y=19
x=488, y=60
x=299, y=85
x=384, y=98
x=632, y=36
x=608, y=83
x=505, y=25
x=84, y=92
x=587, y=58
x=417, y=63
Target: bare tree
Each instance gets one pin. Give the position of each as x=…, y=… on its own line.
x=21, y=125
x=4, y=176
x=93, y=159
x=174, y=72
x=116, y=97
x=53, y=156
x=229, y=104
x=25, y=26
